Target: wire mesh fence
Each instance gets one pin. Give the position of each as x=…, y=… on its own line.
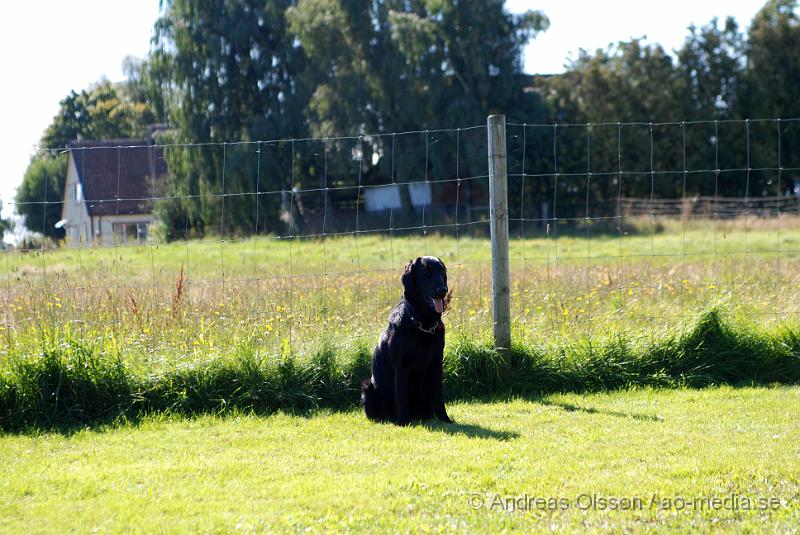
x=653, y=269
x=185, y=249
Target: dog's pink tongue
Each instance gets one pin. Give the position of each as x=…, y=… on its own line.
x=438, y=305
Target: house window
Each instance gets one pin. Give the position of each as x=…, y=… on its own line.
x=75, y=192
x=388, y=197
x=134, y=232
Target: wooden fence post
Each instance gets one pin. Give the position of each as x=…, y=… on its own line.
x=498, y=216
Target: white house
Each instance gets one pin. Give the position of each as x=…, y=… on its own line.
x=387, y=197
x=107, y=195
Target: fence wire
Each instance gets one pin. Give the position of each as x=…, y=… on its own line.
x=289, y=244
x=698, y=233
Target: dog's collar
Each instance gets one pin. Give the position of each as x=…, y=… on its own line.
x=418, y=324
x=438, y=325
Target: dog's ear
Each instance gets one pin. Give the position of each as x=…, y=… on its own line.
x=407, y=279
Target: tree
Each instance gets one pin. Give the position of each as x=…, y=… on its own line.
x=719, y=75
x=395, y=65
x=772, y=90
x=712, y=67
x=100, y=112
x=231, y=70
x=372, y=62
x=147, y=82
x=773, y=70
x=40, y=196
x=254, y=70
x=5, y=224
x=630, y=82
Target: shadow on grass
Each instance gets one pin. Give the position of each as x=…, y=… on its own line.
x=569, y=407
x=469, y=430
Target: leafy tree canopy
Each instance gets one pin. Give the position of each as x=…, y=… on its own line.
x=5, y=224
x=99, y=112
x=39, y=197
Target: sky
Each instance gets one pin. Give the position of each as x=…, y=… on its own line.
x=48, y=48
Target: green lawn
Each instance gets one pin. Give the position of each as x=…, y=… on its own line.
x=336, y=471
x=108, y=334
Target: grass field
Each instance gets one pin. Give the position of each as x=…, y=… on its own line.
x=270, y=324
x=677, y=451
x=186, y=301
x=212, y=386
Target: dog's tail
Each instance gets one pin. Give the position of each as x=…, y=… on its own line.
x=372, y=402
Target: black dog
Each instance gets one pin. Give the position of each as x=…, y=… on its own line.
x=406, y=380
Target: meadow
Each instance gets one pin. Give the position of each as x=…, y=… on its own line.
x=266, y=324
x=213, y=385
x=180, y=302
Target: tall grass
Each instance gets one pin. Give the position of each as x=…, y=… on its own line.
x=101, y=335
x=68, y=382
x=168, y=304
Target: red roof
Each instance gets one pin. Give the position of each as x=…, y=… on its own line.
x=116, y=175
